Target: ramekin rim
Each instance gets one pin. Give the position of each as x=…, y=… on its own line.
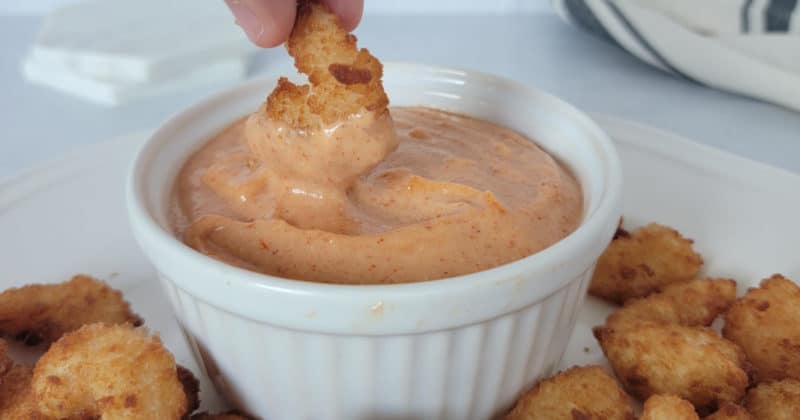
x=591, y=226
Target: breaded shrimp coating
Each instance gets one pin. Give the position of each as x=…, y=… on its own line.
x=765, y=323
x=15, y=380
x=668, y=407
x=45, y=312
x=113, y=372
x=585, y=392
x=5, y=362
x=775, y=400
x=345, y=80
x=16, y=402
x=730, y=411
x=694, y=363
x=637, y=264
x=191, y=388
x=694, y=303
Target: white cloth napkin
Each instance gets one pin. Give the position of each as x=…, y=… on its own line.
x=115, y=51
x=750, y=47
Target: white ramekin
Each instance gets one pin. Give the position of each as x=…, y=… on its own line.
x=457, y=348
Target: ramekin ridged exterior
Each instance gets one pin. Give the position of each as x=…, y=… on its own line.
x=457, y=348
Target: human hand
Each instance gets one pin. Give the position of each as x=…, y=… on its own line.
x=268, y=23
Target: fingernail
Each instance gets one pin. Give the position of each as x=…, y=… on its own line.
x=246, y=19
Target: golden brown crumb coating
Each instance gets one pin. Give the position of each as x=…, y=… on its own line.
x=668, y=407
x=15, y=396
x=16, y=402
x=191, y=388
x=586, y=393
x=730, y=411
x=693, y=303
x=694, y=363
x=114, y=372
x=775, y=400
x=47, y=311
x=645, y=261
x=765, y=323
x=5, y=361
x=345, y=80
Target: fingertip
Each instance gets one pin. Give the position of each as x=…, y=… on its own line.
x=267, y=23
x=349, y=11
x=267, y=41
x=270, y=39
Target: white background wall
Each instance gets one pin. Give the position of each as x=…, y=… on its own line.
x=371, y=6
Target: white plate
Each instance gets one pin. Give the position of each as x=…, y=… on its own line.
x=69, y=217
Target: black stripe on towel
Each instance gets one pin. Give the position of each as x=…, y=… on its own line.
x=639, y=37
x=745, y=15
x=778, y=15
x=583, y=15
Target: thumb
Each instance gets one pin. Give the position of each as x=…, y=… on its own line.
x=267, y=23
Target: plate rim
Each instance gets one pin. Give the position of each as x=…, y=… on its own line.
x=755, y=174
x=760, y=175
x=40, y=175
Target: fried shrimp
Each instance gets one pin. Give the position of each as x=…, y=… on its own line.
x=345, y=80
x=694, y=303
x=117, y=372
x=729, y=411
x=656, y=345
x=586, y=392
x=694, y=363
x=765, y=322
x=639, y=263
x=775, y=400
x=668, y=407
x=45, y=312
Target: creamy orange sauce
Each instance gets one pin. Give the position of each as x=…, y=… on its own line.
x=421, y=195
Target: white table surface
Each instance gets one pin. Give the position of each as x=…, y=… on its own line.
x=39, y=124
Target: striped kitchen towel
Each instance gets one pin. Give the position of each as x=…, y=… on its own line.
x=751, y=47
